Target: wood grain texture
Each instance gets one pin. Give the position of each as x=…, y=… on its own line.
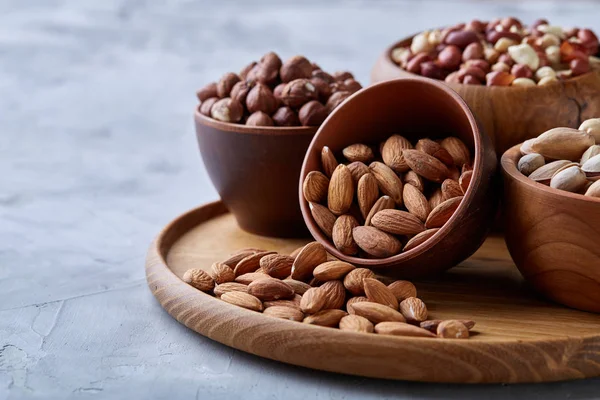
x=518, y=338
x=510, y=115
x=553, y=236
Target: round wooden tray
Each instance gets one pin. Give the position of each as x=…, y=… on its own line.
x=518, y=337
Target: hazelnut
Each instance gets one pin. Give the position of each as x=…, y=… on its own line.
x=227, y=110
x=499, y=78
x=226, y=83
x=521, y=71
x=320, y=74
x=207, y=92
x=352, y=86
x=461, y=38
x=336, y=99
x=323, y=88
x=473, y=51
x=278, y=91
x=471, y=80
x=240, y=90
x=244, y=72
x=259, y=118
x=315, y=66
x=342, y=75
x=260, y=98
x=449, y=57
x=285, y=116
x=206, y=105
x=414, y=65
x=267, y=70
x=312, y=113
x=296, y=67
x=579, y=66
x=298, y=92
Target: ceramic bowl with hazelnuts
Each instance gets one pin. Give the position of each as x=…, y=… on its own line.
x=518, y=80
x=253, y=129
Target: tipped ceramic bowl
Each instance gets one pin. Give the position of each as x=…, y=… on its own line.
x=414, y=108
x=553, y=236
x=511, y=115
x=256, y=171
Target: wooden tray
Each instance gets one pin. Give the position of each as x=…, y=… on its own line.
x=518, y=337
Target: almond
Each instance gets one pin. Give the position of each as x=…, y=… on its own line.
x=294, y=302
x=242, y=299
x=391, y=153
x=230, y=287
x=335, y=294
x=307, y=260
x=328, y=161
x=250, y=263
x=397, y=222
x=342, y=234
x=353, y=300
x=270, y=289
x=563, y=143
x=353, y=281
x=294, y=253
x=323, y=217
x=341, y=190
x=332, y=270
x=237, y=257
x=451, y=189
x=199, y=279
x=452, y=329
x=434, y=149
x=376, y=312
x=411, y=178
x=313, y=300
x=544, y=173
x=367, y=193
x=402, y=290
x=377, y=292
x=358, y=152
x=454, y=173
x=284, y=313
x=356, y=323
x=358, y=169
x=457, y=150
x=401, y=329
x=436, y=198
x=426, y=166
x=277, y=265
x=420, y=238
x=221, y=273
x=330, y=318
x=571, y=179
x=465, y=180
x=389, y=183
x=298, y=286
x=375, y=242
x=315, y=187
x=250, y=277
x=384, y=203
x=442, y=213
x=413, y=309
x=432, y=324
x=416, y=202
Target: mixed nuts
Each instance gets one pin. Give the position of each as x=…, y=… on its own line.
x=275, y=93
x=565, y=158
x=389, y=198
x=501, y=52
x=311, y=286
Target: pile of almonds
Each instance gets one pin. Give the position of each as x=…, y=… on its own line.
x=274, y=93
x=565, y=158
x=502, y=52
x=312, y=287
x=389, y=199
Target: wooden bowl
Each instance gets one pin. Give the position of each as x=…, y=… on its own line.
x=511, y=115
x=256, y=171
x=553, y=236
x=414, y=108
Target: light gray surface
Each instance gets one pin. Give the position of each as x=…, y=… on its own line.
x=97, y=153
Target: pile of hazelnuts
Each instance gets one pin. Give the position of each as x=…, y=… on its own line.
x=502, y=52
x=275, y=93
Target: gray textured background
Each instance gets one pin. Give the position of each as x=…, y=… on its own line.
x=97, y=153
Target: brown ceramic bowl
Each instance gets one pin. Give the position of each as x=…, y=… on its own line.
x=511, y=115
x=553, y=236
x=414, y=108
x=256, y=171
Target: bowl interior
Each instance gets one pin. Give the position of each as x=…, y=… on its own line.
x=414, y=108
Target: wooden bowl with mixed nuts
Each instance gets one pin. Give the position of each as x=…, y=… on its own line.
x=518, y=80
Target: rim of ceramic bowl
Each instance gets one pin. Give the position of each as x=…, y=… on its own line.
x=388, y=58
x=254, y=130
x=509, y=161
x=447, y=227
